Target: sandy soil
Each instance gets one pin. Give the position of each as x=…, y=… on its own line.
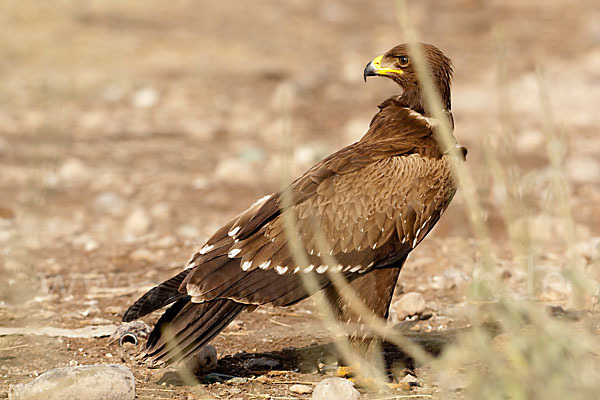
x=129, y=131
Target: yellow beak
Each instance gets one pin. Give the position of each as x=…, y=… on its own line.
x=374, y=68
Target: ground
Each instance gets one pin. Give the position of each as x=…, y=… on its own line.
x=130, y=131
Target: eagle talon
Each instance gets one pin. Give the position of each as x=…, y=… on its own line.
x=345, y=372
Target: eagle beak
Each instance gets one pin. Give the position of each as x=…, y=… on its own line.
x=374, y=68
x=370, y=70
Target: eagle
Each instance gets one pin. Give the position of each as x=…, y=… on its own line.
x=357, y=214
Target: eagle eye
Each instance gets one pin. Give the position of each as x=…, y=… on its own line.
x=403, y=61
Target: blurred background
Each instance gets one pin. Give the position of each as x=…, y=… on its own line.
x=130, y=131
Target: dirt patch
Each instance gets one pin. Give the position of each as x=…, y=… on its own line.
x=129, y=132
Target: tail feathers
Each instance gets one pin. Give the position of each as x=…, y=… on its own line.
x=186, y=327
x=158, y=297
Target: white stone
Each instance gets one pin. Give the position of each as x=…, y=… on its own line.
x=409, y=304
x=582, y=169
x=161, y=211
x=164, y=242
x=73, y=171
x=188, y=232
x=91, y=382
x=236, y=171
x=138, y=222
x=142, y=255
x=555, y=287
x=301, y=389
x=335, y=389
x=145, y=97
x=110, y=203
x=409, y=379
x=85, y=241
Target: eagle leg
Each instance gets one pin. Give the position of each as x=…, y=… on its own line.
x=376, y=290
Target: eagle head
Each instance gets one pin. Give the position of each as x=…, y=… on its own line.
x=398, y=65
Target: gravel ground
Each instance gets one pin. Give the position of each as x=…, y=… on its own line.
x=130, y=131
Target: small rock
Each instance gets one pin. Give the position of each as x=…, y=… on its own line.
x=590, y=248
x=145, y=97
x=529, y=140
x=202, y=361
x=555, y=287
x=188, y=232
x=410, y=304
x=236, y=171
x=164, y=242
x=449, y=279
x=85, y=242
x=201, y=183
x=161, y=211
x=582, y=169
x=110, y=203
x=335, y=388
x=138, y=222
x=142, y=255
x=301, y=389
x=90, y=382
x=73, y=171
x=438, y=282
x=409, y=379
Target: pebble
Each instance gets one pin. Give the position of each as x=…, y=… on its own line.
x=73, y=171
x=335, y=388
x=409, y=379
x=110, y=203
x=86, y=242
x=409, y=304
x=204, y=360
x=555, y=287
x=90, y=382
x=164, y=242
x=188, y=232
x=145, y=97
x=138, y=222
x=449, y=279
x=236, y=171
x=301, y=389
x=161, y=211
x=583, y=169
x=142, y=254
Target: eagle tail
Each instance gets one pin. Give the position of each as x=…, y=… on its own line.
x=187, y=327
x=158, y=297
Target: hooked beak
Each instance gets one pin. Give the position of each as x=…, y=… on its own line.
x=374, y=68
x=370, y=70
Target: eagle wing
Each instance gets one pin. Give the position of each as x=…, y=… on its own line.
x=364, y=207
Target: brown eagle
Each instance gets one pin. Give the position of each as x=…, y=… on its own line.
x=366, y=207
